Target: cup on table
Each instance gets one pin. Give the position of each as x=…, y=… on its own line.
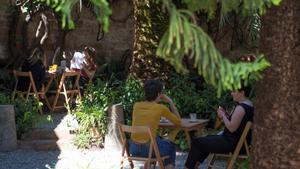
x=63, y=64
x=193, y=116
x=163, y=120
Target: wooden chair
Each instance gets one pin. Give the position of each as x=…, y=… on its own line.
x=31, y=89
x=69, y=87
x=153, y=146
x=236, y=154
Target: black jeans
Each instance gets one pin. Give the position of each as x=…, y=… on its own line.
x=202, y=146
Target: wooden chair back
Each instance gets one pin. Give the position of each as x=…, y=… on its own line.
x=69, y=87
x=153, y=146
x=31, y=88
x=236, y=154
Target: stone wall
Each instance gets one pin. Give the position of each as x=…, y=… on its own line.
x=110, y=48
x=4, y=29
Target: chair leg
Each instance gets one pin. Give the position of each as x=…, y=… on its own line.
x=131, y=164
x=121, y=164
x=47, y=102
x=153, y=164
x=211, y=161
x=231, y=164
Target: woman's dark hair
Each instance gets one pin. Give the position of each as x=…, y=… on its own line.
x=246, y=88
x=152, y=89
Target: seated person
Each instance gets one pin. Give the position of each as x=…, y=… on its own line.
x=234, y=127
x=37, y=68
x=84, y=62
x=148, y=113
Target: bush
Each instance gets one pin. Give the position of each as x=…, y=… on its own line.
x=189, y=99
x=26, y=112
x=91, y=113
x=131, y=91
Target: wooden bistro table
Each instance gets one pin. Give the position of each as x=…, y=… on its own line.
x=186, y=125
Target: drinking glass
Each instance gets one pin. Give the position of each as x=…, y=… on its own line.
x=193, y=116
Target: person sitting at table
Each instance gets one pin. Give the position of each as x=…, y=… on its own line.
x=84, y=62
x=148, y=113
x=37, y=68
x=234, y=126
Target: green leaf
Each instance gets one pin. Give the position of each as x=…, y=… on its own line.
x=215, y=69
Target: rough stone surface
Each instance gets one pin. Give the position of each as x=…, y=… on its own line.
x=110, y=48
x=8, y=136
x=112, y=138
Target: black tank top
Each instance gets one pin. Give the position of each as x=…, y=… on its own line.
x=247, y=117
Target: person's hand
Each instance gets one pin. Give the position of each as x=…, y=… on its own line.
x=165, y=98
x=221, y=112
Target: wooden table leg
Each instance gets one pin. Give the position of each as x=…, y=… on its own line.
x=199, y=132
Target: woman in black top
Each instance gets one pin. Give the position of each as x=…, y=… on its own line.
x=227, y=141
x=37, y=68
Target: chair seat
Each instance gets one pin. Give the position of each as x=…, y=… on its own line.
x=153, y=146
x=229, y=155
x=31, y=90
x=145, y=158
x=71, y=91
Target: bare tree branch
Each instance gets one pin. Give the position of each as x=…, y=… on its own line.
x=45, y=21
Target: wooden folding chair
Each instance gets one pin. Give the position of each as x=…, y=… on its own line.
x=69, y=87
x=31, y=89
x=236, y=154
x=153, y=146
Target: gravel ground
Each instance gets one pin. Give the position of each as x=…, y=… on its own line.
x=75, y=159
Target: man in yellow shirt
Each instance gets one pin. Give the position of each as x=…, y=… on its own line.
x=148, y=113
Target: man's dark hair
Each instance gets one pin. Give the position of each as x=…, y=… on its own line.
x=246, y=89
x=152, y=88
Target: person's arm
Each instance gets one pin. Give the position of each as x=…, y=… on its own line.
x=236, y=118
x=169, y=101
x=171, y=116
x=90, y=73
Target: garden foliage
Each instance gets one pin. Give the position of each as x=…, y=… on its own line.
x=26, y=112
x=190, y=96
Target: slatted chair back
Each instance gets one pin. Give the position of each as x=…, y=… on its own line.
x=153, y=146
x=69, y=87
x=31, y=88
x=236, y=154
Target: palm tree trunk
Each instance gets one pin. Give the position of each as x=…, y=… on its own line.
x=276, y=136
x=150, y=24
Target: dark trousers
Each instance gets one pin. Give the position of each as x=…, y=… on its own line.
x=201, y=147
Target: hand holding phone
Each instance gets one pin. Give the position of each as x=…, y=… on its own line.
x=221, y=111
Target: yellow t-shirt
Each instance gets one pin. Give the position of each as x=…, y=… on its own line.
x=148, y=114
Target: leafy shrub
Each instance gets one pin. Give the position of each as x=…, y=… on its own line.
x=189, y=99
x=83, y=139
x=26, y=112
x=91, y=113
x=131, y=91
